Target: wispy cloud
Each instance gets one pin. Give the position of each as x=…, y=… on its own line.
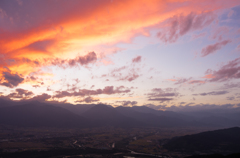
x=181, y=25
x=231, y=70
x=213, y=93
x=108, y=90
x=214, y=47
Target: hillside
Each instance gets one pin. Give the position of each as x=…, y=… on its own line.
x=218, y=141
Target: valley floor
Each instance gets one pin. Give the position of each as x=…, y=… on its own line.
x=105, y=141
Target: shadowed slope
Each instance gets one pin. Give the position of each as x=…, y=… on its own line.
x=223, y=140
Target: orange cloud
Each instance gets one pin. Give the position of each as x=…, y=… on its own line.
x=196, y=81
x=172, y=80
x=62, y=29
x=209, y=76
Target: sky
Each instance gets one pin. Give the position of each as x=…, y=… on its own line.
x=157, y=53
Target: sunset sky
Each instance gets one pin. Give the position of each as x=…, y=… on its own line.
x=158, y=53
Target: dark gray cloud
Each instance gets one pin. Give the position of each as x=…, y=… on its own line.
x=160, y=99
x=42, y=97
x=109, y=90
x=11, y=80
x=91, y=57
x=213, y=93
x=230, y=98
x=159, y=94
x=20, y=93
x=231, y=85
x=36, y=86
x=87, y=100
x=191, y=107
x=127, y=103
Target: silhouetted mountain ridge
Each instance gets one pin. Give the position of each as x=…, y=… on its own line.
x=106, y=115
x=36, y=114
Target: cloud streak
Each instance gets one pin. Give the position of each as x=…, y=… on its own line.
x=108, y=90
x=213, y=93
x=210, y=49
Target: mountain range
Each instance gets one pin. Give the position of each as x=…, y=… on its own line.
x=64, y=115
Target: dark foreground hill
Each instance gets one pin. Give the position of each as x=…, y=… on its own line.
x=36, y=114
x=218, y=141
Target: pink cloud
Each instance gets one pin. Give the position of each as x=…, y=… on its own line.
x=198, y=35
x=231, y=12
x=183, y=80
x=238, y=47
x=196, y=81
x=129, y=74
x=181, y=25
x=173, y=80
x=219, y=32
x=40, y=46
x=119, y=69
x=214, y=47
x=186, y=80
x=229, y=71
x=130, y=77
x=137, y=59
x=209, y=76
